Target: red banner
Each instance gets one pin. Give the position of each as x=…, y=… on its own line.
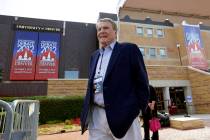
x=195, y=47
x=24, y=56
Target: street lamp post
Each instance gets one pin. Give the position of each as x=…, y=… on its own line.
x=178, y=47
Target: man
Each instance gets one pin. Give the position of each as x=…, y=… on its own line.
x=150, y=112
x=117, y=88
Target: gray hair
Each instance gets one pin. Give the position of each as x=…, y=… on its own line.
x=114, y=25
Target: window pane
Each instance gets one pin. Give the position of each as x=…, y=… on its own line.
x=152, y=52
x=139, y=30
x=149, y=32
x=160, y=33
x=162, y=52
x=142, y=51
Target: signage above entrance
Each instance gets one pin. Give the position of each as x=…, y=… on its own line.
x=37, y=28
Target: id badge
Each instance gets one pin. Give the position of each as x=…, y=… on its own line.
x=98, y=84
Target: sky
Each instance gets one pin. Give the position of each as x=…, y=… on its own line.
x=66, y=10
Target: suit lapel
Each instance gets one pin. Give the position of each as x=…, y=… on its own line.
x=94, y=64
x=114, y=56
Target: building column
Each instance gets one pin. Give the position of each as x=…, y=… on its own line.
x=189, y=101
x=166, y=97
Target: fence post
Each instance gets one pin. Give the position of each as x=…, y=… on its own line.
x=6, y=120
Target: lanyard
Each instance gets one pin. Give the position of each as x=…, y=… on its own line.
x=102, y=54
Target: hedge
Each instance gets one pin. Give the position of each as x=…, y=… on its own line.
x=56, y=108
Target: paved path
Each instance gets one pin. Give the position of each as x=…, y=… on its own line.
x=65, y=136
x=165, y=133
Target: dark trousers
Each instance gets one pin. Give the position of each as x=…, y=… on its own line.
x=146, y=117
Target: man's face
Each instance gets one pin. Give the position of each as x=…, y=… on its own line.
x=105, y=33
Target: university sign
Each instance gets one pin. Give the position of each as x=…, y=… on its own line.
x=36, y=28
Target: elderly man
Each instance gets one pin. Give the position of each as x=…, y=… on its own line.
x=117, y=88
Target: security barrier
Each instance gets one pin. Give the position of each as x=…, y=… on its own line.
x=6, y=120
x=19, y=120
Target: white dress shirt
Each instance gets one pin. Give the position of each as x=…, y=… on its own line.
x=101, y=68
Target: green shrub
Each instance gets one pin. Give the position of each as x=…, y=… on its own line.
x=60, y=108
x=55, y=108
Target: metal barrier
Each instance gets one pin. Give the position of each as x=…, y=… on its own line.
x=24, y=120
x=6, y=120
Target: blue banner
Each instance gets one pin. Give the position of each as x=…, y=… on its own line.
x=47, y=56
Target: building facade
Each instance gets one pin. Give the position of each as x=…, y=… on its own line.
x=77, y=42
x=155, y=28
x=158, y=31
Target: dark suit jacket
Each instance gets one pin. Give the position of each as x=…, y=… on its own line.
x=125, y=88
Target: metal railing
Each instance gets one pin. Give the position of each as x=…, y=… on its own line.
x=6, y=120
x=19, y=120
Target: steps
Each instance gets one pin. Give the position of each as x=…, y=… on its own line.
x=187, y=123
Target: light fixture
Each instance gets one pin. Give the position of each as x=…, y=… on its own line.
x=177, y=45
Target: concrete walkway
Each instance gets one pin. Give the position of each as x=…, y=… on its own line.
x=165, y=133
x=65, y=136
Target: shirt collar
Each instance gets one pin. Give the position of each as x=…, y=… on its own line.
x=110, y=46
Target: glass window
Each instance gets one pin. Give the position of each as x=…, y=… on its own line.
x=162, y=52
x=139, y=30
x=149, y=32
x=160, y=33
x=71, y=74
x=142, y=51
x=152, y=52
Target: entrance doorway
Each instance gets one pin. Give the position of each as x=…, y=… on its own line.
x=177, y=97
x=160, y=100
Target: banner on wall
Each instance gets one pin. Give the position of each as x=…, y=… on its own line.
x=24, y=56
x=195, y=49
x=47, y=56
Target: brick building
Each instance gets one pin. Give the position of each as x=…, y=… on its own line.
x=156, y=27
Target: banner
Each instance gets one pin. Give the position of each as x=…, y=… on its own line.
x=47, y=56
x=195, y=47
x=24, y=56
